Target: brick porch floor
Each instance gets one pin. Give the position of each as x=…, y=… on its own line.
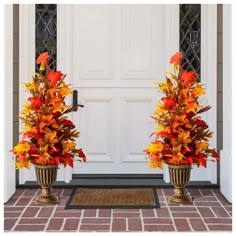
x=209, y=212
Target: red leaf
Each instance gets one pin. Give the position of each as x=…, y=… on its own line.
x=200, y=123
x=43, y=58
x=176, y=58
x=215, y=155
x=168, y=102
x=82, y=155
x=35, y=102
x=54, y=76
x=188, y=77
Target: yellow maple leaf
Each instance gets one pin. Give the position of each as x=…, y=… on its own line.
x=198, y=90
x=58, y=107
x=180, y=156
x=21, y=147
x=163, y=86
x=160, y=127
x=153, y=165
x=154, y=147
x=19, y=165
x=170, y=74
x=31, y=86
x=201, y=146
x=160, y=109
x=27, y=109
x=68, y=146
x=64, y=91
x=39, y=76
x=26, y=128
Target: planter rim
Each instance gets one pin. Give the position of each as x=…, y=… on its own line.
x=180, y=166
x=45, y=166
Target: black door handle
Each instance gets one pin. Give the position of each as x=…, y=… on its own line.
x=75, y=101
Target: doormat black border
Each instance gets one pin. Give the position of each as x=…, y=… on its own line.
x=69, y=206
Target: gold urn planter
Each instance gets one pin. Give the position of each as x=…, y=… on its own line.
x=179, y=177
x=46, y=176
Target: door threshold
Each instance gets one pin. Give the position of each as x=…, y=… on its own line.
x=117, y=176
x=118, y=182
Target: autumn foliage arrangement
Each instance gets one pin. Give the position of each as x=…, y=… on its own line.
x=181, y=136
x=48, y=136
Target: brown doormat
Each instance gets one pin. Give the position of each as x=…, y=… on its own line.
x=113, y=198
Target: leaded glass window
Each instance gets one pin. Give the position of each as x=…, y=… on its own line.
x=190, y=35
x=46, y=31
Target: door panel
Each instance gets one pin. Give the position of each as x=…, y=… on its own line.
x=115, y=126
x=136, y=37
x=97, y=119
x=92, y=45
x=136, y=126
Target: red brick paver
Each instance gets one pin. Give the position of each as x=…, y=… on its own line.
x=210, y=211
x=55, y=224
x=182, y=225
x=119, y=225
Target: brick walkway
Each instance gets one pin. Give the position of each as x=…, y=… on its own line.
x=209, y=212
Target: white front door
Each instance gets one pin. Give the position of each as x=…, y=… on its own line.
x=117, y=55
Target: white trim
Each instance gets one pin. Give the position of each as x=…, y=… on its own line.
x=209, y=74
x=226, y=153
x=26, y=61
x=64, y=47
x=171, y=45
x=171, y=33
x=9, y=163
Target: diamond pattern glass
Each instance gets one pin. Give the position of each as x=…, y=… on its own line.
x=46, y=32
x=190, y=35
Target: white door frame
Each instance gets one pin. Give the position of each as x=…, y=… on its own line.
x=208, y=63
x=226, y=153
x=9, y=164
x=209, y=75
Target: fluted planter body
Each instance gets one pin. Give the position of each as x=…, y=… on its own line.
x=46, y=176
x=179, y=177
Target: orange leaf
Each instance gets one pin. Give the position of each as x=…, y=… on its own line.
x=176, y=58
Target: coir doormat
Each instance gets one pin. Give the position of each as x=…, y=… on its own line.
x=82, y=198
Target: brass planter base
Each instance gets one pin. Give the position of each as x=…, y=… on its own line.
x=179, y=177
x=46, y=200
x=180, y=199
x=46, y=176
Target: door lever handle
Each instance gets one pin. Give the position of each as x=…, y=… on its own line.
x=80, y=105
x=75, y=101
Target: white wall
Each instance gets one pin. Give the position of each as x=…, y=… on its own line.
x=9, y=164
x=226, y=154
